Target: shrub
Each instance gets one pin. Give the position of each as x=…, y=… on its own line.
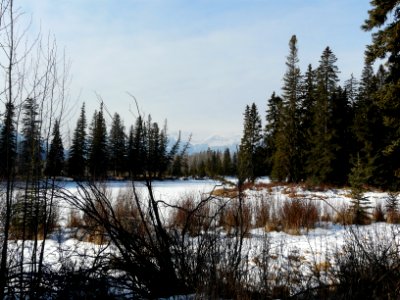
x=297, y=214
x=191, y=217
x=31, y=216
x=344, y=215
x=392, y=208
x=234, y=216
x=367, y=267
x=262, y=213
x=378, y=214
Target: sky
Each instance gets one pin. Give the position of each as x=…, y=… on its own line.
x=194, y=63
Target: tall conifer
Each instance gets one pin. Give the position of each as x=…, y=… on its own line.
x=287, y=155
x=385, y=18
x=98, y=150
x=55, y=158
x=250, y=145
x=78, y=152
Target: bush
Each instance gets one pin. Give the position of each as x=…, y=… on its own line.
x=262, y=213
x=32, y=217
x=236, y=216
x=297, y=214
x=191, y=217
x=368, y=267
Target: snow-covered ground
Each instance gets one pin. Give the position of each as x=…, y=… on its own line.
x=313, y=247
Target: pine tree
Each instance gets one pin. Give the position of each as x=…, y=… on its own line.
x=342, y=137
x=55, y=158
x=78, y=152
x=250, y=145
x=359, y=203
x=273, y=116
x=227, y=163
x=368, y=127
x=385, y=18
x=117, y=146
x=98, y=151
x=287, y=155
x=30, y=158
x=308, y=99
x=8, y=151
x=320, y=159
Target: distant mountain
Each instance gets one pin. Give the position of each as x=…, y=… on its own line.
x=215, y=142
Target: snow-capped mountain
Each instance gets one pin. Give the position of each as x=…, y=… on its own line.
x=214, y=142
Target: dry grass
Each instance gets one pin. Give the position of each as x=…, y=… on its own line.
x=191, y=216
x=378, y=214
x=344, y=216
x=393, y=217
x=233, y=217
x=298, y=214
x=262, y=213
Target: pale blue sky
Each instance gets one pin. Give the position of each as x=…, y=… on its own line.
x=196, y=63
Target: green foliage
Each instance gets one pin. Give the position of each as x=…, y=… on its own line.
x=118, y=147
x=359, y=203
x=385, y=18
x=78, y=151
x=55, y=158
x=31, y=215
x=30, y=158
x=286, y=161
x=321, y=156
x=98, y=158
x=274, y=111
x=8, y=143
x=250, y=145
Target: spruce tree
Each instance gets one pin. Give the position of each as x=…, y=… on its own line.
x=342, y=137
x=8, y=146
x=250, y=145
x=360, y=204
x=55, y=158
x=137, y=145
x=227, y=163
x=308, y=99
x=117, y=146
x=78, y=152
x=98, y=151
x=287, y=154
x=273, y=115
x=30, y=158
x=368, y=128
x=320, y=159
x=384, y=17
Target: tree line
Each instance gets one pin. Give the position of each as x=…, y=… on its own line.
x=320, y=132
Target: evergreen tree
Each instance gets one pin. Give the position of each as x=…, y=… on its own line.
x=359, y=203
x=385, y=18
x=306, y=116
x=8, y=151
x=227, y=163
x=78, y=151
x=271, y=129
x=250, y=145
x=368, y=128
x=55, y=158
x=287, y=155
x=136, y=148
x=30, y=159
x=98, y=151
x=320, y=160
x=117, y=146
x=342, y=138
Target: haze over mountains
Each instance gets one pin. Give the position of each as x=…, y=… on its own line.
x=214, y=142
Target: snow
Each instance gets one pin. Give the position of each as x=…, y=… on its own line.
x=312, y=247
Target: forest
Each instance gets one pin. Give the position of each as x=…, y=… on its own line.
x=318, y=134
